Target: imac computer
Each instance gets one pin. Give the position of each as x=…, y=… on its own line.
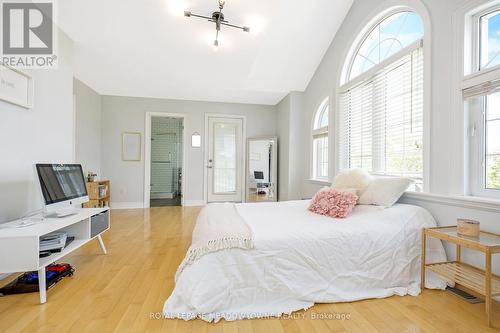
x=63, y=188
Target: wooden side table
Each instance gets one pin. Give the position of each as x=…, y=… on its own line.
x=482, y=282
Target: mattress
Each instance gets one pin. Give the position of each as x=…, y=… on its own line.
x=301, y=258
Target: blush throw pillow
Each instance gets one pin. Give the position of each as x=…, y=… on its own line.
x=333, y=203
x=384, y=191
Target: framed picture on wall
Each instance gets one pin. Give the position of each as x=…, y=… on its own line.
x=16, y=87
x=131, y=146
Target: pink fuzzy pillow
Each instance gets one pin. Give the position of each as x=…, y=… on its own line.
x=333, y=203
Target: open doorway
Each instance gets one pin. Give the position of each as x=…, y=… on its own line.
x=165, y=161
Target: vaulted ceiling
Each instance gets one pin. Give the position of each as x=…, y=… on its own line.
x=147, y=48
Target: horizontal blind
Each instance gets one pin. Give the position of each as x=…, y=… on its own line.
x=482, y=89
x=382, y=120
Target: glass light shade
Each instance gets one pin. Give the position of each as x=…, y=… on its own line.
x=196, y=140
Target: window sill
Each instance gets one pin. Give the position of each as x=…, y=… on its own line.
x=320, y=182
x=464, y=201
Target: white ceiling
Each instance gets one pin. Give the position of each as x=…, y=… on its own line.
x=146, y=48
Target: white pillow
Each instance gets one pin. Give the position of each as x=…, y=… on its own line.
x=384, y=191
x=349, y=190
x=352, y=179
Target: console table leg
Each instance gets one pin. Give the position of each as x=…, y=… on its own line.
x=422, y=277
x=42, y=287
x=101, y=243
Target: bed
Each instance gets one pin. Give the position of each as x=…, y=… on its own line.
x=299, y=258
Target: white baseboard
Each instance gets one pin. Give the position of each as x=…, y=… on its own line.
x=127, y=205
x=192, y=203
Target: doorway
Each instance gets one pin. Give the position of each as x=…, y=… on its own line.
x=225, y=158
x=165, y=161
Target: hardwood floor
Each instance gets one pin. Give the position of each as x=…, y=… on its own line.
x=124, y=291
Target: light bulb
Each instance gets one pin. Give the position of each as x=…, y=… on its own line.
x=216, y=45
x=222, y=2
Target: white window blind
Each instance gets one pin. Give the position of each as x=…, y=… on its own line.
x=382, y=120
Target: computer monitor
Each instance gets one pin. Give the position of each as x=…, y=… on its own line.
x=63, y=187
x=258, y=175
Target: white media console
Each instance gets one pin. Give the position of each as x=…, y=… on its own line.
x=19, y=247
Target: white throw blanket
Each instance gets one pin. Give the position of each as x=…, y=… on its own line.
x=219, y=227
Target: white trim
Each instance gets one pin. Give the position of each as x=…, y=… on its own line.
x=128, y=205
x=320, y=182
x=243, y=145
x=466, y=75
x=147, y=154
x=491, y=205
x=382, y=11
x=75, y=131
x=381, y=66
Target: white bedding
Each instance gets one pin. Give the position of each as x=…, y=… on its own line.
x=301, y=258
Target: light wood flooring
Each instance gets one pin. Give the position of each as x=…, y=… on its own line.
x=125, y=290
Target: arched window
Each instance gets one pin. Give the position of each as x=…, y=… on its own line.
x=390, y=36
x=320, y=142
x=382, y=99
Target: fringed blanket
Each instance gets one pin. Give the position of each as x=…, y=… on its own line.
x=218, y=227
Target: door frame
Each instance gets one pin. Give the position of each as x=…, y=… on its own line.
x=243, y=156
x=147, y=154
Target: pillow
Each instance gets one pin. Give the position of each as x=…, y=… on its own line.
x=333, y=203
x=384, y=191
x=350, y=190
x=357, y=179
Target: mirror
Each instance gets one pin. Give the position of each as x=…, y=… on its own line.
x=262, y=169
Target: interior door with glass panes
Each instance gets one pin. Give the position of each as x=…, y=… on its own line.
x=225, y=159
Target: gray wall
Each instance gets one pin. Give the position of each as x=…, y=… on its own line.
x=283, y=131
x=87, y=127
x=291, y=146
x=127, y=114
x=44, y=133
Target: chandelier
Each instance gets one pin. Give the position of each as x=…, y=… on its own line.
x=219, y=20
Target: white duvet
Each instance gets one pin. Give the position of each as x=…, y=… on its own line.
x=301, y=258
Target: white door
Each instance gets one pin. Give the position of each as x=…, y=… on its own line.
x=225, y=159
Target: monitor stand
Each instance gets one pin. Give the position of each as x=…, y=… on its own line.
x=63, y=212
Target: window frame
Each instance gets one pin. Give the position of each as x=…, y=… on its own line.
x=425, y=43
x=318, y=132
x=475, y=119
x=475, y=66
x=363, y=37
x=477, y=153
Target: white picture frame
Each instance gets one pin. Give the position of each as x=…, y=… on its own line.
x=16, y=87
x=131, y=146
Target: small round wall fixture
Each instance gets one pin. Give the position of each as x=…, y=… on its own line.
x=196, y=140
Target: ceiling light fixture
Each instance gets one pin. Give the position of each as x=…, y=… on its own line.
x=218, y=19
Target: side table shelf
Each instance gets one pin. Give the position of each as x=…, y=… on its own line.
x=482, y=282
x=467, y=276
